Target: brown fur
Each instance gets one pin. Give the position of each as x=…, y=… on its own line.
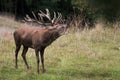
x=36, y=38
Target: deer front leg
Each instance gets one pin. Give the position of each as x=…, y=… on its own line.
x=42, y=59
x=37, y=58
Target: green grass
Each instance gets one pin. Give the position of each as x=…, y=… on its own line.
x=86, y=55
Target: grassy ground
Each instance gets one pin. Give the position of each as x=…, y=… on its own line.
x=86, y=55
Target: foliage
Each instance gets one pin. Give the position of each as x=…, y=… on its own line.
x=109, y=9
x=84, y=12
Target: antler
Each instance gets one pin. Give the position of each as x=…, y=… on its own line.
x=55, y=19
x=41, y=15
x=58, y=18
x=29, y=19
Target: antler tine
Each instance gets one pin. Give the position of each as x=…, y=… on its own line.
x=53, y=20
x=36, y=18
x=41, y=17
x=58, y=18
x=48, y=14
x=42, y=13
x=27, y=18
x=34, y=15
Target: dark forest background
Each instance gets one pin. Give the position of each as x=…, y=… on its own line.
x=87, y=10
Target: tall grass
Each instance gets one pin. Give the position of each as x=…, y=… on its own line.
x=82, y=55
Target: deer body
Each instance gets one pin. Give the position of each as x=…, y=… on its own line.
x=38, y=38
x=33, y=37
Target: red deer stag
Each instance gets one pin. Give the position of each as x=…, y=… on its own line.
x=38, y=38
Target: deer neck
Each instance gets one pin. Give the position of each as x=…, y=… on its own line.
x=54, y=34
x=49, y=37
